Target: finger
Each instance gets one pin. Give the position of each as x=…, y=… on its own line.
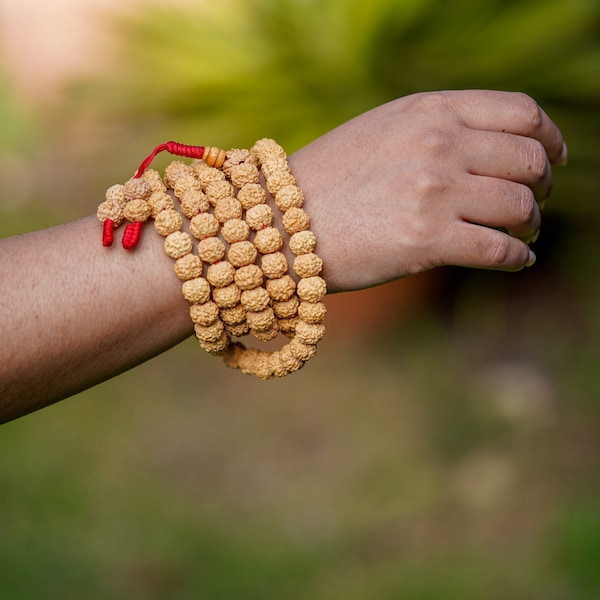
x=479, y=247
x=511, y=157
x=500, y=203
x=510, y=112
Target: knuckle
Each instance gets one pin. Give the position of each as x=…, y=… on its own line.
x=498, y=251
x=529, y=109
x=526, y=210
x=536, y=159
x=430, y=183
x=436, y=142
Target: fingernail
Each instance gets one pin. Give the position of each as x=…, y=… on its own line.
x=564, y=156
x=531, y=259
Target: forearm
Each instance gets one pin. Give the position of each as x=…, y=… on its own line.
x=74, y=313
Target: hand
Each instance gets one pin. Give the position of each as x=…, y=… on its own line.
x=423, y=181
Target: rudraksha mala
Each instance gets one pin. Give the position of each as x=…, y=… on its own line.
x=232, y=263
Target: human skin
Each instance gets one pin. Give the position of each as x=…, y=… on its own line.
x=424, y=181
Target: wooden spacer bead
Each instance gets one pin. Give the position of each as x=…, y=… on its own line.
x=213, y=156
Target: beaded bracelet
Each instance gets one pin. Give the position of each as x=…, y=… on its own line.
x=232, y=263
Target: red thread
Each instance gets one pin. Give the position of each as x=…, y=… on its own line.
x=173, y=148
x=107, y=233
x=131, y=235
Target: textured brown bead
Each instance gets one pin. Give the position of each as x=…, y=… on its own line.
x=193, y=202
x=288, y=326
x=235, y=230
x=248, y=277
x=238, y=330
x=220, y=274
x=276, y=365
x=137, y=189
x=233, y=354
x=217, y=190
x=243, y=173
x=207, y=175
x=307, y=265
x=261, y=320
x=301, y=350
x=267, y=148
x=154, y=180
x=228, y=296
x=109, y=209
x=211, y=249
x=255, y=300
x=312, y=312
x=159, y=201
x=242, y=253
x=178, y=244
x=188, y=267
x=286, y=308
x=167, y=221
x=309, y=333
x=209, y=333
x=227, y=209
x=251, y=195
x=282, y=288
x=267, y=334
x=137, y=210
x=204, y=225
x=312, y=289
x=116, y=193
x=303, y=242
x=217, y=347
x=259, y=216
x=233, y=315
x=235, y=156
x=268, y=240
x=274, y=265
x=289, y=196
x=290, y=362
x=204, y=314
x=186, y=183
x=294, y=220
x=196, y=291
x=279, y=180
x=174, y=171
x=213, y=156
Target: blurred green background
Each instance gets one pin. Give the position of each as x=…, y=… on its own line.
x=448, y=449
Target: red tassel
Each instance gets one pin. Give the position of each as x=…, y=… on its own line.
x=131, y=235
x=107, y=233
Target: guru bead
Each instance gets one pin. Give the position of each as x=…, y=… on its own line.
x=137, y=189
x=213, y=156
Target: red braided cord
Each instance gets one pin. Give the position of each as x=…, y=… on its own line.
x=107, y=233
x=131, y=235
x=173, y=148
